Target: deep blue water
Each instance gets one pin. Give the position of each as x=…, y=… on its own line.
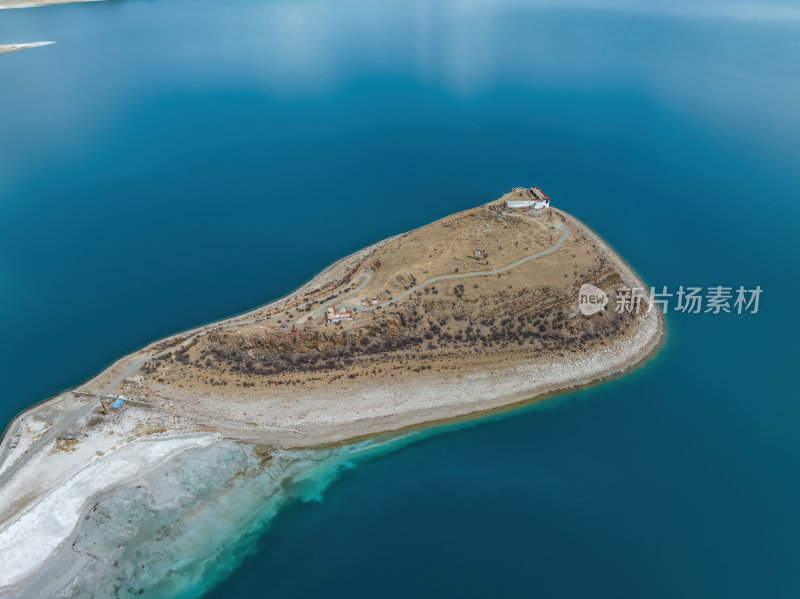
x=167, y=163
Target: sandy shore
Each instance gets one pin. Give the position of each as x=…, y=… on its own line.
x=38, y=532
x=322, y=418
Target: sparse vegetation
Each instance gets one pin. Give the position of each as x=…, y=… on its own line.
x=520, y=314
x=65, y=444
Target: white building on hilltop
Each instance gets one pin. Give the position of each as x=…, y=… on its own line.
x=529, y=198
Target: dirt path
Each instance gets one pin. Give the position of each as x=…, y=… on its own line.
x=481, y=273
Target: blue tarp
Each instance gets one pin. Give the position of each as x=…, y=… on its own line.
x=117, y=403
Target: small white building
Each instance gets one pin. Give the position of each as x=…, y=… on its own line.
x=333, y=315
x=542, y=199
x=519, y=203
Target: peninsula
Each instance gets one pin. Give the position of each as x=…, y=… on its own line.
x=35, y=3
x=15, y=47
x=474, y=312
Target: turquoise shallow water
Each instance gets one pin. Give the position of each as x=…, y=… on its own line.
x=167, y=163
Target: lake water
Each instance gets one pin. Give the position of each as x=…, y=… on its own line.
x=168, y=163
